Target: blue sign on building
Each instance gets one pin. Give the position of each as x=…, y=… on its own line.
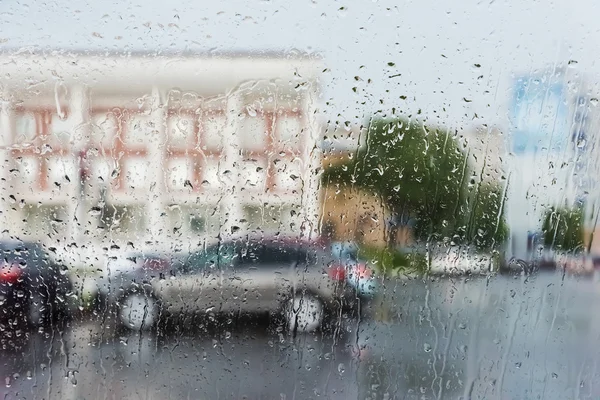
x=539, y=116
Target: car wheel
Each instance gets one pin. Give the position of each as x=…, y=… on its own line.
x=138, y=311
x=304, y=313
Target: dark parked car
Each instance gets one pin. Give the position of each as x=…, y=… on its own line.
x=301, y=282
x=34, y=289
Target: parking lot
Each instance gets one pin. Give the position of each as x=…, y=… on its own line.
x=501, y=337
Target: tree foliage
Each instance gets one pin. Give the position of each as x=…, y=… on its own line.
x=422, y=172
x=485, y=226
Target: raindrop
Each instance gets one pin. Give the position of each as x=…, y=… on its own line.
x=95, y=211
x=251, y=111
x=46, y=148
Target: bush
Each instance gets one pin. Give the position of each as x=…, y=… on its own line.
x=388, y=261
x=563, y=229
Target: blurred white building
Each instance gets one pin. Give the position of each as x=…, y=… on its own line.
x=552, y=159
x=156, y=150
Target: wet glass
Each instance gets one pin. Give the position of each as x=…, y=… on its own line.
x=300, y=200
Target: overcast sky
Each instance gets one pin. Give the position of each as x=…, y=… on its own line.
x=434, y=45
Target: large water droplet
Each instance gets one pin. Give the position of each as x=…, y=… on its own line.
x=251, y=111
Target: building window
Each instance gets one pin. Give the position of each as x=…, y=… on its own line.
x=42, y=148
x=253, y=174
x=105, y=128
x=193, y=149
x=215, y=123
x=27, y=126
x=60, y=170
x=210, y=173
x=195, y=220
x=123, y=219
x=135, y=172
x=289, y=131
x=253, y=133
x=267, y=217
x=181, y=131
x=45, y=221
x=139, y=128
x=122, y=137
x=288, y=173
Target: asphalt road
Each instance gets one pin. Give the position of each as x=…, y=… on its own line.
x=497, y=338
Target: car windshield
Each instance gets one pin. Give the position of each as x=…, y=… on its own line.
x=217, y=256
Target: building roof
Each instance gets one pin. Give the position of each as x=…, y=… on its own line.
x=206, y=74
x=211, y=53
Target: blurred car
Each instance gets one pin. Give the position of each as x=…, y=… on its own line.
x=550, y=261
x=459, y=261
x=575, y=264
x=297, y=280
x=357, y=271
x=34, y=289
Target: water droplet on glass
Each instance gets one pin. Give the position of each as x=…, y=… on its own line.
x=95, y=211
x=46, y=148
x=251, y=111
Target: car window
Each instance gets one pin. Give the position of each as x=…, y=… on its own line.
x=27, y=254
x=270, y=255
x=213, y=258
x=251, y=255
x=282, y=255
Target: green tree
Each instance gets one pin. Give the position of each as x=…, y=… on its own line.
x=422, y=172
x=485, y=225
